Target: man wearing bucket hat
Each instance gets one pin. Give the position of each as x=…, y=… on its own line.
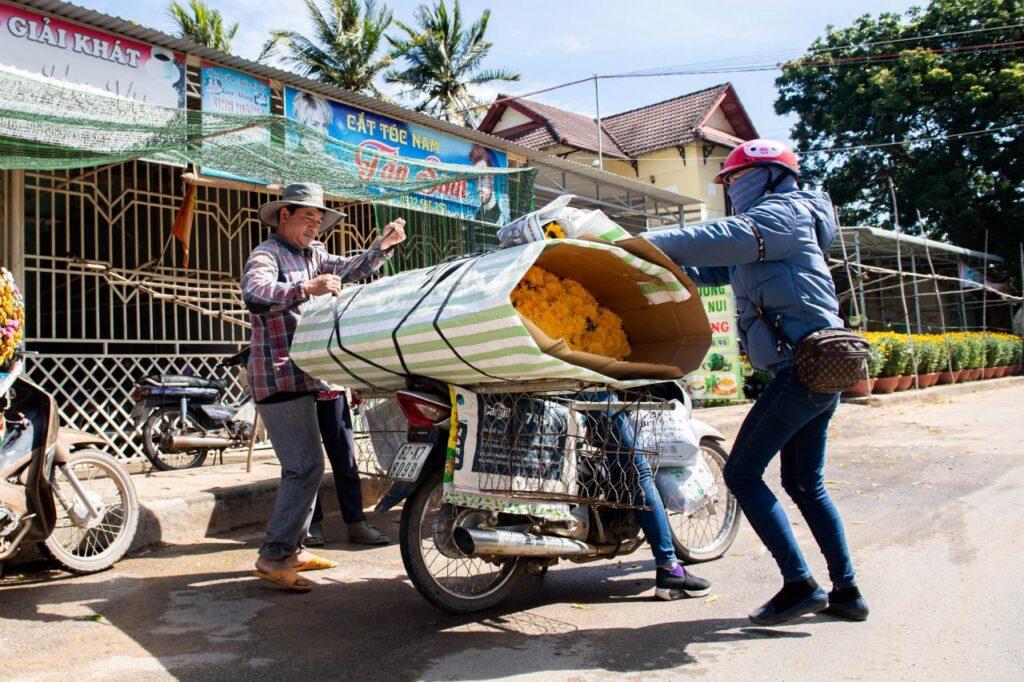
x=282, y=273
x=772, y=253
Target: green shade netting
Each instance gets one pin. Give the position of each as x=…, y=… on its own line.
x=51, y=125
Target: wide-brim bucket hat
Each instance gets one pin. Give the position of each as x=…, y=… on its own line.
x=300, y=194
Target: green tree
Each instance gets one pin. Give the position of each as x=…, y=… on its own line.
x=345, y=48
x=203, y=25
x=444, y=61
x=917, y=87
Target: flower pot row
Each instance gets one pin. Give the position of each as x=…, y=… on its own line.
x=885, y=385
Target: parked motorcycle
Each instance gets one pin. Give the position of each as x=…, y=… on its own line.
x=464, y=559
x=184, y=417
x=57, y=487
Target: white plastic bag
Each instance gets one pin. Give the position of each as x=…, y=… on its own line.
x=684, y=480
x=670, y=434
x=686, y=489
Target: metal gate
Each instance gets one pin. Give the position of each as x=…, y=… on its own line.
x=95, y=338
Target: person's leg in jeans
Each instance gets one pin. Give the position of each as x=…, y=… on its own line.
x=617, y=434
x=781, y=411
x=335, y=422
x=653, y=518
x=803, y=464
x=294, y=433
x=803, y=478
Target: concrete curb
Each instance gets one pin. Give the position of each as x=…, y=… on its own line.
x=936, y=393
x=204, y=513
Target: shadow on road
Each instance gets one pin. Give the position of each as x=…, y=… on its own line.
x=213, y=624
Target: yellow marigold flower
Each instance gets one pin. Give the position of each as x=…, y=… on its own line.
x=564, y=309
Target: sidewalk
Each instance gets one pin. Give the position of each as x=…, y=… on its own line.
x=182, y=507
x=937, y=393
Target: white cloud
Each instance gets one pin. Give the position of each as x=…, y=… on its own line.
x=573, y=44
x=558, y=45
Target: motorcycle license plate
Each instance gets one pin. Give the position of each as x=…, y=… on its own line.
x=409, y=461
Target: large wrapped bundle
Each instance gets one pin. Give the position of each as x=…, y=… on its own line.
x=456, y=322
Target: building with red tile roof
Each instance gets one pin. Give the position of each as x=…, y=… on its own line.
x=677, y=144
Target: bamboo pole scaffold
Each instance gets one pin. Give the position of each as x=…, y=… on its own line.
x=903, y=293
x=889, y=271
x=938, y=301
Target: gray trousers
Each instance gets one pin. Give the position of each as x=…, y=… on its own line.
x=295, y=434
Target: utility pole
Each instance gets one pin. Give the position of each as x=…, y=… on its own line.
x=597, y=109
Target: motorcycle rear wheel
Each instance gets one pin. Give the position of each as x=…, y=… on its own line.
x=445, y=577
x=82, y=548
x=709, y=533
x=164, y=419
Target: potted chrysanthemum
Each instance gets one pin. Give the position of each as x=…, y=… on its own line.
x=12, y=319
x=927, y=351
x=897, y=355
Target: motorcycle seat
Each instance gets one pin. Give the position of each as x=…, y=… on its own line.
x=183, y=380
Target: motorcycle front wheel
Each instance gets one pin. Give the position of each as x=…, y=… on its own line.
x=708, y=533
x=166, y=420
x=446, y=577
x=84, y=543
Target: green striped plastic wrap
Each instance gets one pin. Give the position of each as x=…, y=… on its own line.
x=453, y=322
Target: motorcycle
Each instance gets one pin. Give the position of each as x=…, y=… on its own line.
x=57, y=488
x=464, y=559
x=184, y=417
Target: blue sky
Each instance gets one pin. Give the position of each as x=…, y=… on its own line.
x=554, y=41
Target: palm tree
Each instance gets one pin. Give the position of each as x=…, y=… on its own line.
x=203, y=25
x=345, y=47
x=445, y=61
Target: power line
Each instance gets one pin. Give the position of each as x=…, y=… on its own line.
x=858, y=59
x=859, y=147
x=774, y=55
x=734, y=65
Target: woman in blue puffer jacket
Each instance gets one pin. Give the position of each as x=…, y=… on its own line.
x=772, y=253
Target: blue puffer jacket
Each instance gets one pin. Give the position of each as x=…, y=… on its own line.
x=771, y=254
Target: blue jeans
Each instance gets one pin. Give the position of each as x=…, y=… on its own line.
x=794, y=420
x=615, y=430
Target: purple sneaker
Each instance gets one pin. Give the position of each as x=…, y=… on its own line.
x=678, y=583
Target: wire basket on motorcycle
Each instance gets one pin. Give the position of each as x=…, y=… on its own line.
x=590, y=446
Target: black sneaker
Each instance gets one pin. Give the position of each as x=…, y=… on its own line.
x=847, y=603
x=678, y=583
x=768, y=615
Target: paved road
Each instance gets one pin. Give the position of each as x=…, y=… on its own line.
x=932, y=495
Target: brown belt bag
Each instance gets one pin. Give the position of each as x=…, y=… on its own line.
x=829, y=360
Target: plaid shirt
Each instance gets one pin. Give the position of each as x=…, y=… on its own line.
x=271, y=289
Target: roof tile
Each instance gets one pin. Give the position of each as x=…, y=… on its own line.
x=625, y=135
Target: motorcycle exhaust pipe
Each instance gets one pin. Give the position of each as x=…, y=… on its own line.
x=183, y=443
x=484, y=542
